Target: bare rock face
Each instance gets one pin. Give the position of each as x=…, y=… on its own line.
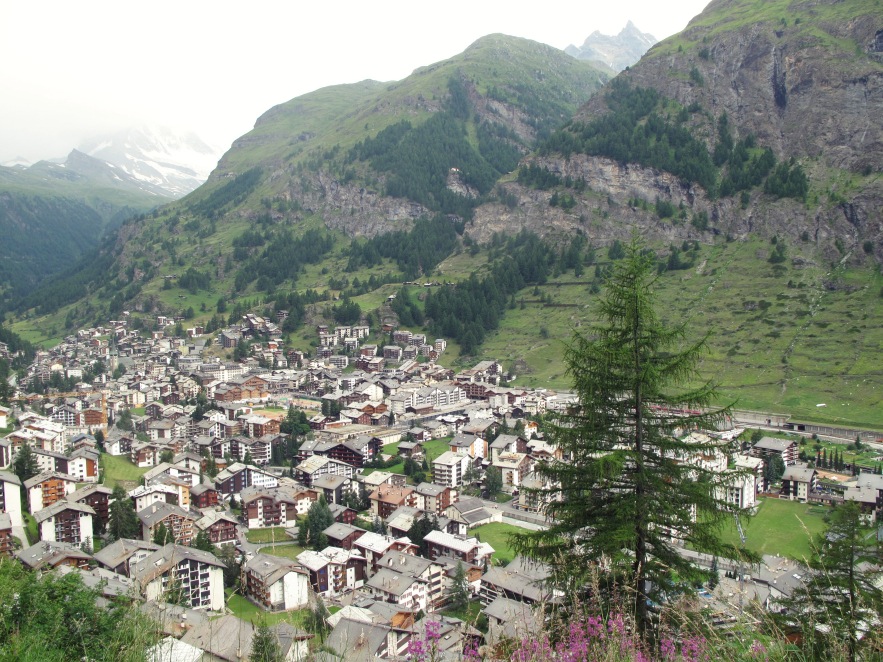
x=810, y=88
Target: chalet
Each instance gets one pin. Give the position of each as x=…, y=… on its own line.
x=177, y=521
x=333, y=570
x=434, y=498
x=204, y=496
x=275, y=583
x=523, y=580
x=277, y=506
x=468, y=550
x=317, y=465
x=787, y=449
x=868, y=493
x=468, y=444
x=400, y=588
x=334, y=487
x=160, y=471
x=513, y=468
x=64, y=521
x=7, y=542
x=147, y=495
x=48, y=488
x=220, y=527
x=120, y=555
x=98, y=498
x=343, y=535
x=181, y=575
x=449, y=468
x=386, y=498
x=50, y=555
x=508, y=443
x=10, y=498
x=512, y=620
x=798, y=482
x=237, y=477
x=471, y=512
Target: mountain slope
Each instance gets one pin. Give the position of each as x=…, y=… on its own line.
x=53, y=213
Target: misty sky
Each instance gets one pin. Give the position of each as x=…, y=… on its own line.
x=73, y=70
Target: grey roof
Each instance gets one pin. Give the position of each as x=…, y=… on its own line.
x=228, y=637
x=60, y=507
x=50, y=553
x=404, y=563
x=166, y=557
x=340, y=530
x=7, y=477
x=271, y=568
x=392, y=582
x=46, y=475
x=773, y=444
x=118, y=552
x=157, y=512
x=799, y=473
x=355, y=641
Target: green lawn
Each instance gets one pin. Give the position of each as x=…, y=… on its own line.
x=496, y=534
x=31, y=529
x=780, y=527
x=118, y=469
x=272, y=534
x=248, y=611
x=285, y=551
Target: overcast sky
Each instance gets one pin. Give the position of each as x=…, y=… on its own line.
x=73, y=70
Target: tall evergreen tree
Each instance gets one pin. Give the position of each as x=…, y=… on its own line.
x=265, y=645
x=624, y=491
x=123, y=521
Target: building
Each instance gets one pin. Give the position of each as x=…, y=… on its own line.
x=220, y=527
x=467, y=550
x=179, y=574
x=122, y=554
x=177, y=521
x=275, y=583
x=48, y=488
x=10, y=498
x=787, y=449
x=66, y=522
x=449, y=468
x=334, y=570
x=798, y=482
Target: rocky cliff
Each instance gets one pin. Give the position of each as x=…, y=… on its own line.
x=804, y=78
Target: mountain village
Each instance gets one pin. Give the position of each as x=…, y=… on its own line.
x=407, y=459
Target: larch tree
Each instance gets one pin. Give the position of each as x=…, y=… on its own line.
x=630, y=489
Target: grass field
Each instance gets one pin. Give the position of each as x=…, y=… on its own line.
x=285, y=551
x=496, y=534
x=118, y=470
x=248, y=611
x=780, y=527
x=271, y=534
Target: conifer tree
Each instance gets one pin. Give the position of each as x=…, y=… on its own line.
x=624, y=493
x=265, y=646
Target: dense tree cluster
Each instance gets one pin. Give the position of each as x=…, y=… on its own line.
x=475, y=306
x=633, y=132
x=229, y=193
x=416, y=251
x=419, y=160
x=283, y=259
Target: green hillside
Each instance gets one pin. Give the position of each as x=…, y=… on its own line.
x=472, y=174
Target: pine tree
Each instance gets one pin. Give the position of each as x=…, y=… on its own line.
x=623, y=493
x=460, y=588
x=123, y=521
x=265, y=645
